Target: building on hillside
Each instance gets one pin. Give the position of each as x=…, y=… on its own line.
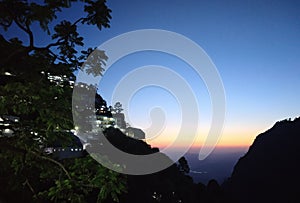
x=120, y=120
x=59, y=80
x=104, y=122
x=119, y=117
x=122, y=125
x=8, y=125
x=135, y=133
x=64, y=151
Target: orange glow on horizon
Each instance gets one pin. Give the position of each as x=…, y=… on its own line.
x=232, y=140
x=234, y=136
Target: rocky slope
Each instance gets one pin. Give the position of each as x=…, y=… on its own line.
x=270, y=170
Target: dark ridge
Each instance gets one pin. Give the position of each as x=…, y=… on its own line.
x=269, y=171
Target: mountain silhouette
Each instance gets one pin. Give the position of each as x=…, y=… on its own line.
x=169, y=185
x=269, y=171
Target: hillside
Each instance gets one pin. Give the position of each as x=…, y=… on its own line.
x=269, y=171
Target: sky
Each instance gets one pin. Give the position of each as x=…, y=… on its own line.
x=255, y=46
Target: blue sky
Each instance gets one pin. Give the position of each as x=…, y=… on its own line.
x=255, y=46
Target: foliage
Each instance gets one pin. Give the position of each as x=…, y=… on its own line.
x=35, y=87
x=86, y=176
x=118, y=107
x=71, y=180
x=183, y=165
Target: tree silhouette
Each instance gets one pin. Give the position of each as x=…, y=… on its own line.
x=183, y=165
x=35, y=87
x=118, y=107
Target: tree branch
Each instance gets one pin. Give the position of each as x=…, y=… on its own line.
x=20, y=25
x=26, y=29
x=31, y=42
x=26, y=49
x=31, y=47
x=53, y=161
x=19, y=150
x=77, y=21
x=58, y=57
x=29, y=185
x=57, y=43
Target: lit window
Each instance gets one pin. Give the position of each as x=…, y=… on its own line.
x=8, y=131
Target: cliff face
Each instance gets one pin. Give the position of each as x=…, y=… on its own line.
x=269, y=172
